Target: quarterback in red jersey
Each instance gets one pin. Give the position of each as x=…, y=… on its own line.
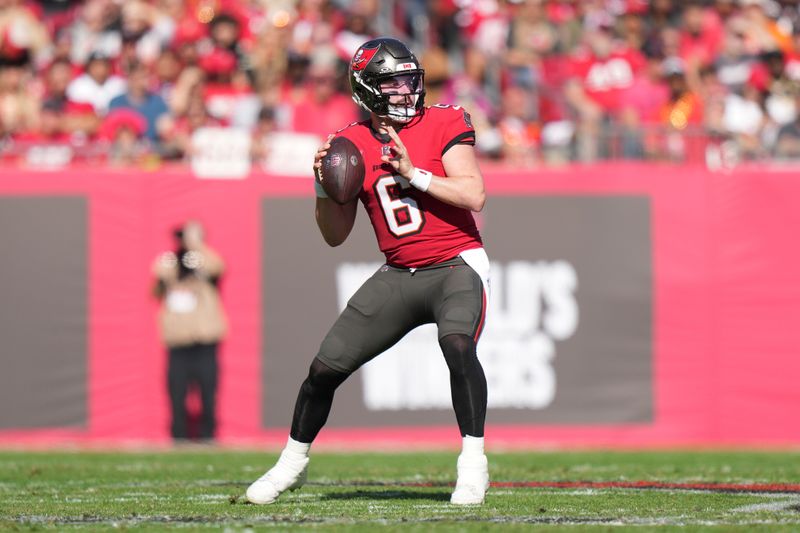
x=414, y=228
x=421, y=185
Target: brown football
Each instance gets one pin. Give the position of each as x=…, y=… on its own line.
x=342, y=173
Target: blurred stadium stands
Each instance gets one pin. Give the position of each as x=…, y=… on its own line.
x=546, y=81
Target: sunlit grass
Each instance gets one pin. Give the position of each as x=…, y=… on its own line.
x=202, y=490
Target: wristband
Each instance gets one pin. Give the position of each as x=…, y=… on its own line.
x=319, y=190
x=421, y=179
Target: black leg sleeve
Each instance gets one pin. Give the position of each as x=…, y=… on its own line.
x=314, y=401
x=467, y=383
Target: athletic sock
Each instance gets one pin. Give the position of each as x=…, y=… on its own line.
x=297, y=448
x=472, y=445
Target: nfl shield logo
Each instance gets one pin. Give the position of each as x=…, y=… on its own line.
x=385, y=150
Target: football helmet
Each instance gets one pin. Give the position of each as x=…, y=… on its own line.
x=386, y=79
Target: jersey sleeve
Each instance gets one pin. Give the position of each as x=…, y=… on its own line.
x=456, y=127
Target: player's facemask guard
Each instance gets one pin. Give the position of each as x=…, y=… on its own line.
x=401, y=103
x=392, y=102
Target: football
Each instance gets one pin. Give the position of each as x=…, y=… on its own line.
x=342, y=172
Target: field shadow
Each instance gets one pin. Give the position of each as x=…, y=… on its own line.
x=387, y=495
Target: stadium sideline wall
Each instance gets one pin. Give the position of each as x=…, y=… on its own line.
x=632, y=305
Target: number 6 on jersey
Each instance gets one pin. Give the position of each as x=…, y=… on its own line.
x=402, y=213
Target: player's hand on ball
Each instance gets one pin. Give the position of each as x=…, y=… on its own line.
x=399, y=159
x=321, y=151
x=341, y=173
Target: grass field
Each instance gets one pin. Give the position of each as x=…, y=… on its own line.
x=201, y=490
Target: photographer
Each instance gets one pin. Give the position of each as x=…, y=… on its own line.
x=192, y=324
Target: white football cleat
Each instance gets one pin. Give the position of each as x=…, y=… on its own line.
x=289, y=473
x=473, y=480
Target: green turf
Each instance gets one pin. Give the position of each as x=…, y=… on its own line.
x=201, y=490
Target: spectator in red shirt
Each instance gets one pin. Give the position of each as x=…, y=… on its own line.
x=321, y=107
x=187, y=39
x=599, y=76
x=700, y=37
x=605, y=69
x=225, y=32
x=227, y=88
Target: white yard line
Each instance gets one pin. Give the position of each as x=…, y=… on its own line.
x=782, y=505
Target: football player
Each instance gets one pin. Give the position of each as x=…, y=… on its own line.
x=421, y=186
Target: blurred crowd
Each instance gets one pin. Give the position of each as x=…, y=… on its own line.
x=546, y=81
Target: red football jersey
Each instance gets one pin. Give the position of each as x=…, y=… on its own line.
x=606, y=80
x=413, y=228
